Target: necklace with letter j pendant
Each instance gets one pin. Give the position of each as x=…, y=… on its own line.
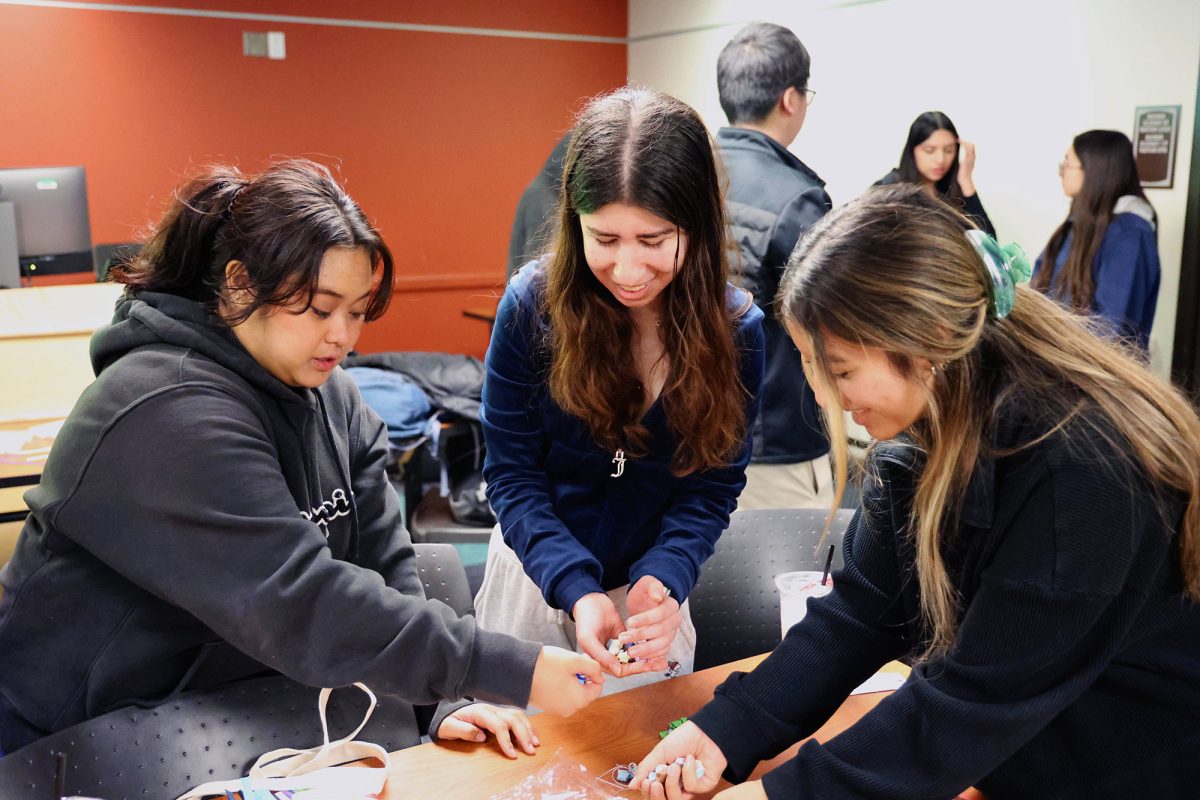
x=619, y=460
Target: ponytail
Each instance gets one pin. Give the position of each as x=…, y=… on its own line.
x=277, y=224
x=187, y=254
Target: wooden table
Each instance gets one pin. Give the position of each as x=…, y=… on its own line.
x=24, y=445
x=44, y=339
x=615, y=729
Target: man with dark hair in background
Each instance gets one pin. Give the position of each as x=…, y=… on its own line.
x=535, y=220
x=773, y=199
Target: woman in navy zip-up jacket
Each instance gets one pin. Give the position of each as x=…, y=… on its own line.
x=622, y=383
x=1103, y=260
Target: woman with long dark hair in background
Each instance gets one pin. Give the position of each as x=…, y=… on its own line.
x=942, y=164
x=1103, y=260
x=622, y=384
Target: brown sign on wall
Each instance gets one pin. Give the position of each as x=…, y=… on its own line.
x=1155, y=130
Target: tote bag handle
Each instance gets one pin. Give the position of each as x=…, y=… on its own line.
x=319, y=770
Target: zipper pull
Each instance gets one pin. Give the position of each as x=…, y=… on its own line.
x=619, y=460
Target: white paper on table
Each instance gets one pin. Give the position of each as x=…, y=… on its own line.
x=880, y=682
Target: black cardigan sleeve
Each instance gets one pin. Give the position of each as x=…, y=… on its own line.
x=974, y=209
x=844, y=638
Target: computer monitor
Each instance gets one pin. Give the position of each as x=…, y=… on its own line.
x=51, y=212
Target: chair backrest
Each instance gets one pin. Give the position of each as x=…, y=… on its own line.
x=735, y=605
x=444, y=577
x=432, y=521
x=160, y=753
x=107, y=255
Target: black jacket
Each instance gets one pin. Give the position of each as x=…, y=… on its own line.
x=772, y=199
x=452, y=382
x=971, y=206
x=534, y=222
x=1075, y=671
x=198, y=521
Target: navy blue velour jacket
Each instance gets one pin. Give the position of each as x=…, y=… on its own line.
x=579, y=517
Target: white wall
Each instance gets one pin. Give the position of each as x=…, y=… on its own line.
x=1019, y=78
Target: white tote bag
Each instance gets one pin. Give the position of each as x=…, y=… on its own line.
x=317, y=770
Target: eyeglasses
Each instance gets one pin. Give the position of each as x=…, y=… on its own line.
x=1064, y=166
x=810, y=95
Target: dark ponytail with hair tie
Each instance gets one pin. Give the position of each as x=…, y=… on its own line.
x=278, y=224
x=180, y=257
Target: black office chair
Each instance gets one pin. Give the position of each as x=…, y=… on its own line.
x=432, y=521
x=107, y=255
x=444, y=577
x=160, y=753
x=735, y=604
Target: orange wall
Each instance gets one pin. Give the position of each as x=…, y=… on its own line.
x=436, y=134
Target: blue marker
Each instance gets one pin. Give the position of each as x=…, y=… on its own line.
x=583, y=679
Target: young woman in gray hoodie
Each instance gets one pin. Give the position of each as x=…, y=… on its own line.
x=215, y=507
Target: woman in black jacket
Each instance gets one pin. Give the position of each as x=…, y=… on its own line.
x=1029, y=536
x=942, y=164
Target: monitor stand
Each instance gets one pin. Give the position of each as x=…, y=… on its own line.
x=10, y=264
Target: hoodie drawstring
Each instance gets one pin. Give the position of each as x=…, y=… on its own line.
x=354, y=527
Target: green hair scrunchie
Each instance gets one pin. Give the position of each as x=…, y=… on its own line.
x=1006, y=266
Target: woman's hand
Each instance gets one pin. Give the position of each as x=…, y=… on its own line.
x=556, y=685
x=966, y=167
x=703, y=764
x=597, y=621
x=654, y=619
x=472, y=724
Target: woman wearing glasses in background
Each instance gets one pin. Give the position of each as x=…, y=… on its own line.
x=942, y=164
x=1103, y=260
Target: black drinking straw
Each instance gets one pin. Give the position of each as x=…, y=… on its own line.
x=60, y=775
x=828, y=564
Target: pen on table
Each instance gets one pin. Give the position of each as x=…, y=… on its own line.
x=828, y=564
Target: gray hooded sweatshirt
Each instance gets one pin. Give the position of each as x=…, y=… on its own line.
x=198, y=522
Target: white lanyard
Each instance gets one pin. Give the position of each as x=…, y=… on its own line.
x=315, y=770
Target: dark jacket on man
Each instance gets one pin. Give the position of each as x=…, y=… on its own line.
x=773, y=199
x=534, y=222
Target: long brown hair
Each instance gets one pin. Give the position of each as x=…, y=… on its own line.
x=1109, y=172
x=646, y=149
x=893, y=270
